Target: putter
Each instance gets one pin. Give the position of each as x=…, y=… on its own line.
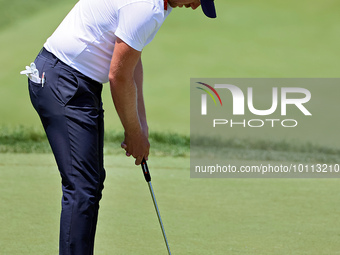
x=147, y=177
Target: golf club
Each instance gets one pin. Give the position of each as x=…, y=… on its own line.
x=148, y=180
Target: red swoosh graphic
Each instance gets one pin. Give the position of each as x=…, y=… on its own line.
x=213, y=90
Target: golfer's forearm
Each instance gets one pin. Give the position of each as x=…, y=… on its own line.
x=123, y=86
x=138, y=77
x=124, y=95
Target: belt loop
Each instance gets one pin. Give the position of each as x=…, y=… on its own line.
x=50, y=56
x=55, y=62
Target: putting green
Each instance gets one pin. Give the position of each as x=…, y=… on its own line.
x=201, y=216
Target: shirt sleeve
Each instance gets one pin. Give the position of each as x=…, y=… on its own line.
x=138, y=24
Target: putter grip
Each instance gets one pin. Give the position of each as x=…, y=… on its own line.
x=146, y=172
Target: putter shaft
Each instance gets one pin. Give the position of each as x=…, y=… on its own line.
x=147, y=177
x=159, y=216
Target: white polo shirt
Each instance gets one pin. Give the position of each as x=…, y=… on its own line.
x=85, y=39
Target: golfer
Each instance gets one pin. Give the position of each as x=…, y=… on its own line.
x=99, y=41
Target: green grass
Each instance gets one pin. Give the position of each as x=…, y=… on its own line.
x=33, y=140
x=234, y=148
x=201, y=216
x=16, y=11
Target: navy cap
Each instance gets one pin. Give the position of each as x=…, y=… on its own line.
x=208, y=8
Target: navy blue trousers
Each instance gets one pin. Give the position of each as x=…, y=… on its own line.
x=70, y=108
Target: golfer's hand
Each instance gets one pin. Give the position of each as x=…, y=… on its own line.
x=136, y=145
